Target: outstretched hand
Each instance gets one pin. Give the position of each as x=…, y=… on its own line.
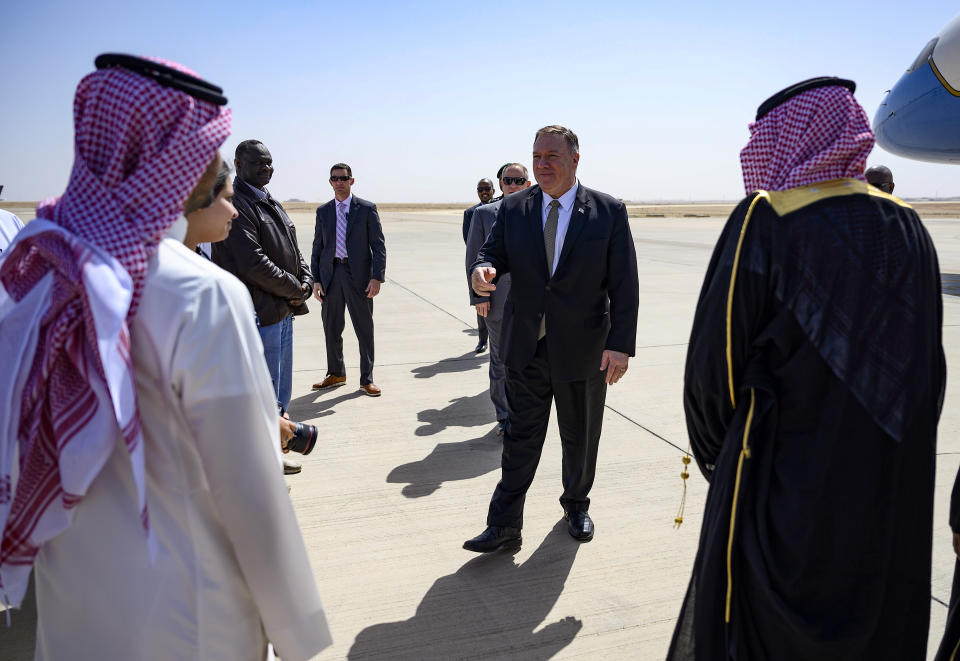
x=482, y=280
x=615, y=363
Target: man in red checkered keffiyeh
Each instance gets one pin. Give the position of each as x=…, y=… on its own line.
x=820, y=134
x=71, y=284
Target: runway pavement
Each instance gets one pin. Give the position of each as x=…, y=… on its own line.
x=398, y=482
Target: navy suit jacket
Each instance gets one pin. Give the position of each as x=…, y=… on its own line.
x=591, y=300
x=366, y=250
x=467, y=215
x=482, y=222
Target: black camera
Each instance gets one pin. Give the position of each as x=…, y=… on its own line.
x=304, y=438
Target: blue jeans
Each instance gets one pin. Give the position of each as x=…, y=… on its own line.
x=278, y=350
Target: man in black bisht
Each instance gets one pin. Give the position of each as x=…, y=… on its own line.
x=813, y=386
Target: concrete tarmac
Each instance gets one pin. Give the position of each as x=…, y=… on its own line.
x=397, y=483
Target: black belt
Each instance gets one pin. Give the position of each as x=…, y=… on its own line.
x=337, y=260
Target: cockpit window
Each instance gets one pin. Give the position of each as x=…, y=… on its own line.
x=924, y=55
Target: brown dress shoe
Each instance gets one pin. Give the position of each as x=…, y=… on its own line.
x=370, y=388
x=330, y=381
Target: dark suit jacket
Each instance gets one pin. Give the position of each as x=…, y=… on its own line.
x=591, y=301
x=262, y=251
x=483, y=220
x=366, y=250
x=467, y=215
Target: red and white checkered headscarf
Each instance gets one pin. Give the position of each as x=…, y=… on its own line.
x=818, y=135
x=140, y=148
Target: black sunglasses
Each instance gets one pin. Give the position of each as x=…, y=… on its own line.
x=339, y=178
x=484, y=189
x=514, y=181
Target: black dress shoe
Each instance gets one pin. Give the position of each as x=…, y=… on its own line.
x=579, y=525
x=481, y=347
x=494, y=538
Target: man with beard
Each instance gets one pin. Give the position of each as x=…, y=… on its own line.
x=813, y=387
x=147, y=489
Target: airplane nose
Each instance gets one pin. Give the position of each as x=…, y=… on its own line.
x=918, y=118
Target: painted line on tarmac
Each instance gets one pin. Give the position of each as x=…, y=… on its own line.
x=646, y=429
x=429, y=302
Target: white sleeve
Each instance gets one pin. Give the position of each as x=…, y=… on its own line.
x=10, y=225
x=227, y=398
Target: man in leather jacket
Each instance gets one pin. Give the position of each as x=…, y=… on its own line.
x=262, y=251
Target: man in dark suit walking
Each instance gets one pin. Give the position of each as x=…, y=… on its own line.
x=485, y=193
x=568, y=330
x=349, y=264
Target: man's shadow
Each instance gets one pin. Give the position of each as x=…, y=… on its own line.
x=471, y=411
x=308, y=407
x=950, y=283
x=489, y=608
x=465, y=363
x=448, y=462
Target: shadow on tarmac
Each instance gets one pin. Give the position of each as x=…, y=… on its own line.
x=471, y=411
x=489, y=608
x=449, y=462
x=950, y=283
x=307, y=407
x=465, y=363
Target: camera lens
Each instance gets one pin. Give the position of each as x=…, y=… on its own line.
x=304, y=438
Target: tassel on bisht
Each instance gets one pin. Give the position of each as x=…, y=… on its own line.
x=678, y=520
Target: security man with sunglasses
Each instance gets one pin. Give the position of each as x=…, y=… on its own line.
x=349, y=263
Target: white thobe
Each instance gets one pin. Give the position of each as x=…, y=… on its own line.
x=9, y=226
x=232, y=570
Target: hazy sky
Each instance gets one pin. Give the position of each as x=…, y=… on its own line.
x=423, y=99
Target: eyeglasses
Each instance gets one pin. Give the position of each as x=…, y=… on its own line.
x=339, y=178
x=484, y=189
x=514, y=181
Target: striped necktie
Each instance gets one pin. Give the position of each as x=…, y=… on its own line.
x=341, y=230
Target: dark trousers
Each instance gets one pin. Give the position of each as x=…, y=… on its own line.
x=481, y=330
x=343, y=294
x=579, y=415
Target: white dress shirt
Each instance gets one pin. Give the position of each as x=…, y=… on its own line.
x=346, y=203
x=567, y=200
